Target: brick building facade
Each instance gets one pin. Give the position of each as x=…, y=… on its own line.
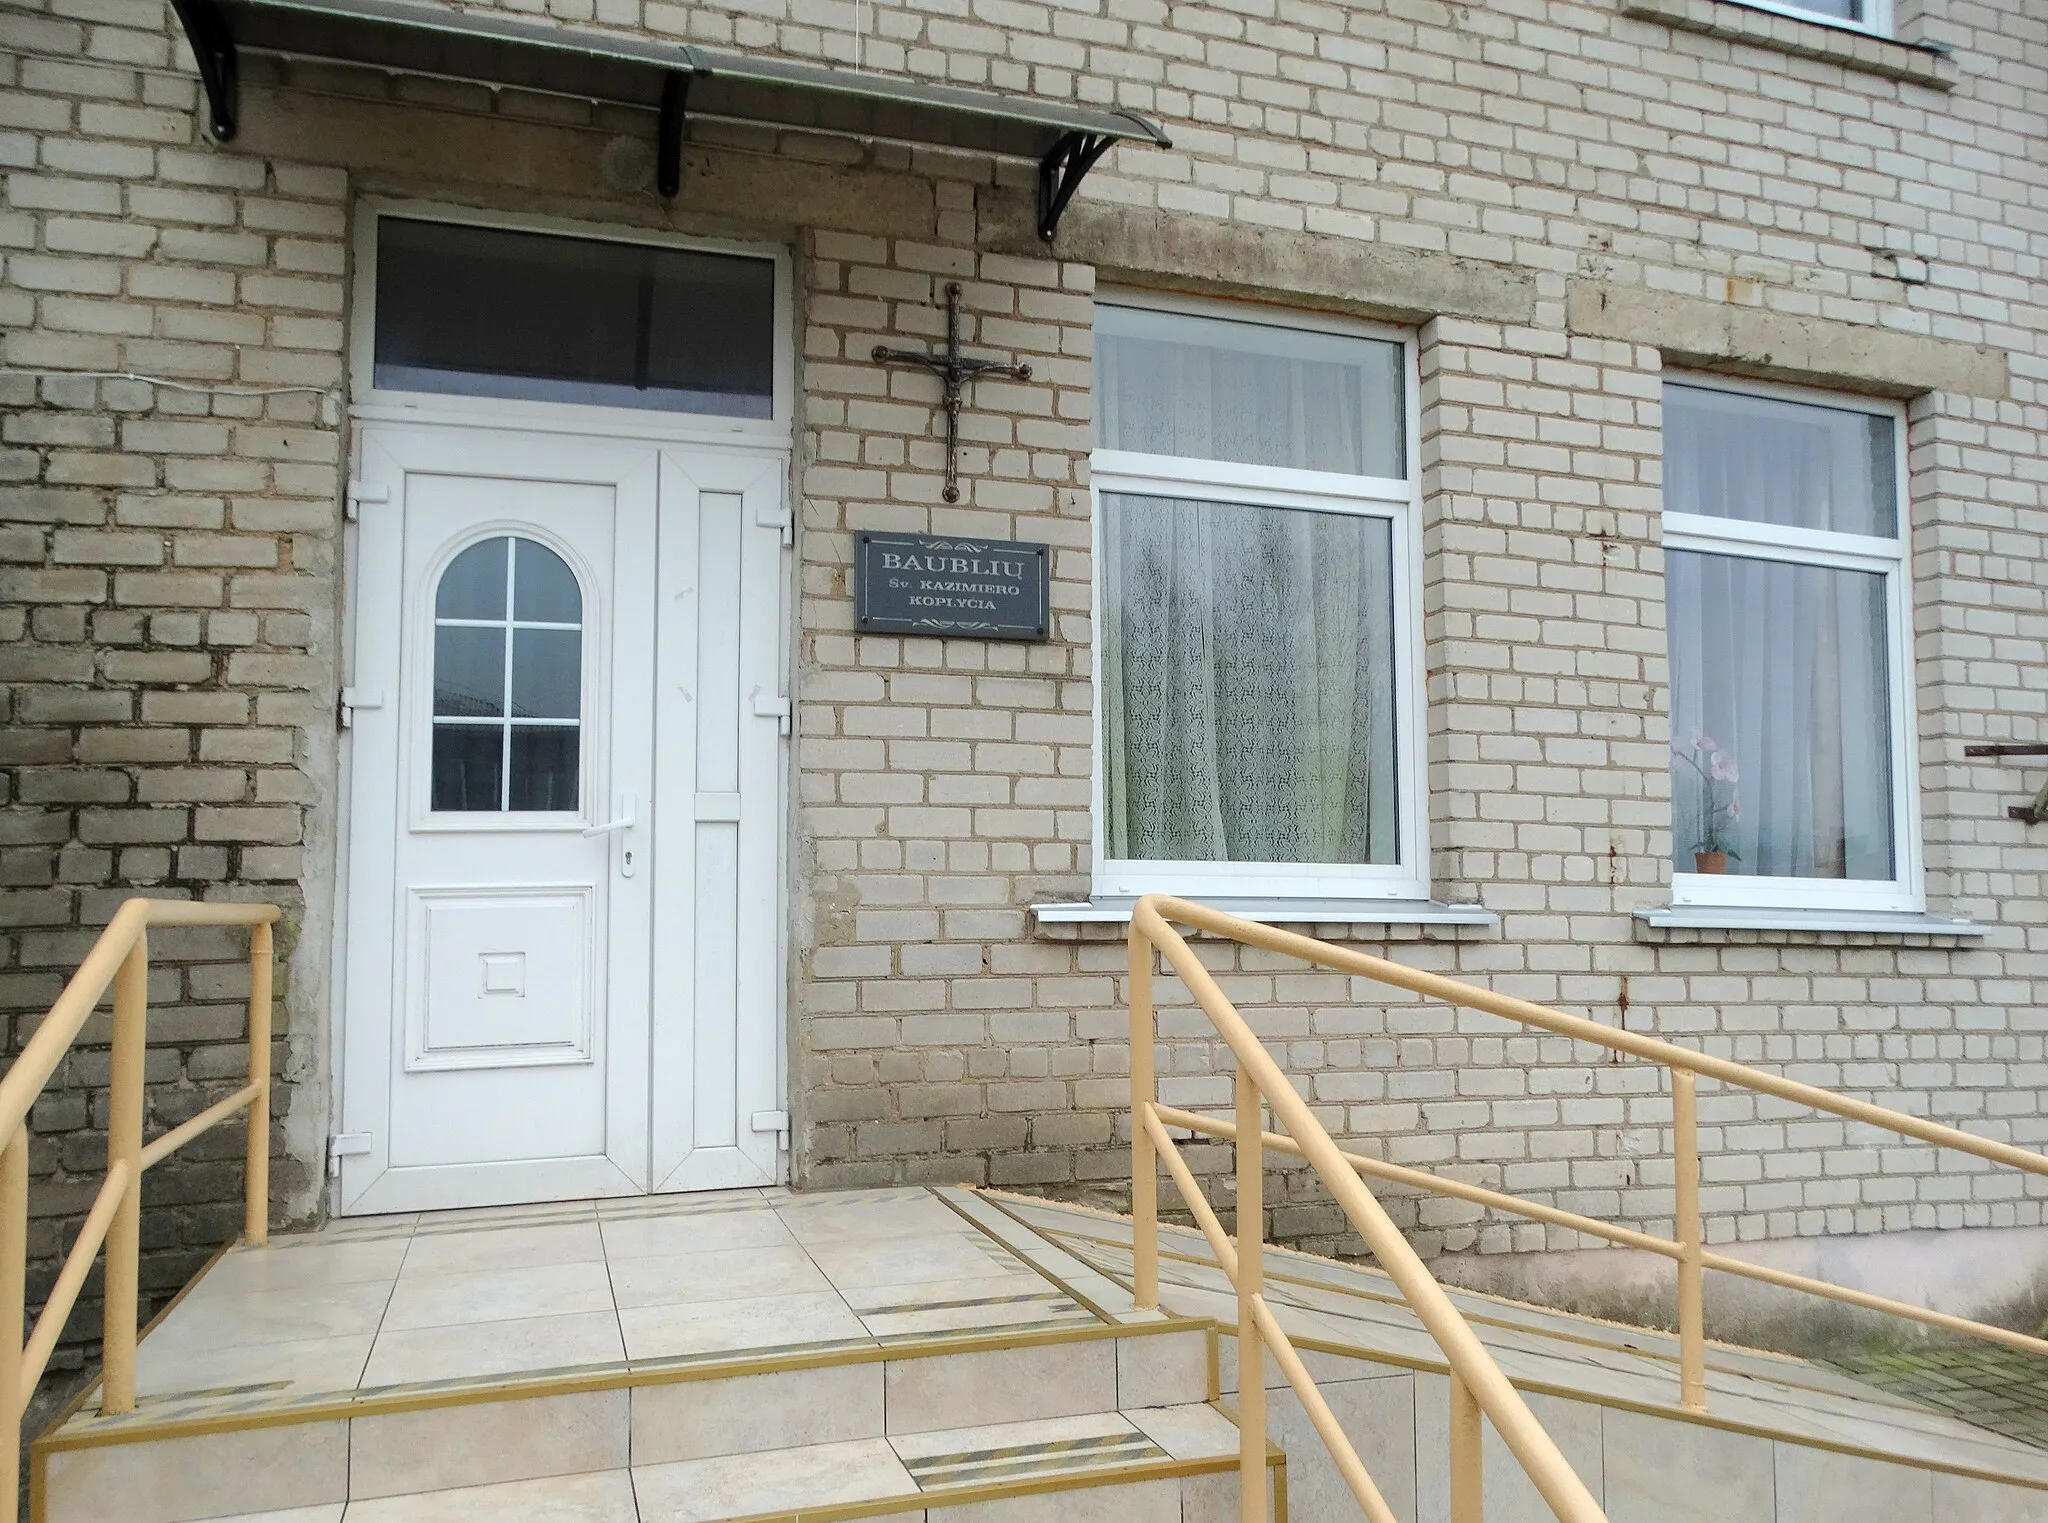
x=1555, y=209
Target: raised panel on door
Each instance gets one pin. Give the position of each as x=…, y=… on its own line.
x=495, y=1017
x=503, y=977
x=717, y=1022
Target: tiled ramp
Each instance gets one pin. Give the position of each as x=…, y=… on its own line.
x=1784, y=1441
x=947, y=1355
x=745, y=1355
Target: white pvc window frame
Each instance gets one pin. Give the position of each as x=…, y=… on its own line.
x=1397, y=501
x=594, y=717
x=1876, y=20
x=508, y=628
x=1889, y=558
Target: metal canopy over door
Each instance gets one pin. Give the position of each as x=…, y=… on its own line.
x=566, y=715
x=677, y=80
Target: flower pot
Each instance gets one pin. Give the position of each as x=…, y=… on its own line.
x=1710, y=861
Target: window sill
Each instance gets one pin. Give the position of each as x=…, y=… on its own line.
x=1115, y=909
x=1732, y=21
x=1714, y=917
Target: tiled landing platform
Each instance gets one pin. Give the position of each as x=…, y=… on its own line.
x=406, y=1306
x=740, y=1355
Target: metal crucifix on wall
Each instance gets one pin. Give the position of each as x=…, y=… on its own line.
x=954, y=371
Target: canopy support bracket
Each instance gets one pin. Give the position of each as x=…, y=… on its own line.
x=213, y=48
x=675, y=115
x=1060, y=173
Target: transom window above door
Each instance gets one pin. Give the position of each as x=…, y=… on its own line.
x=1788, y=620
x=465, y=309
x=1255, y=507
x=508, y=680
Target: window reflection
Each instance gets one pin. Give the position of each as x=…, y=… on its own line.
x=597, y=322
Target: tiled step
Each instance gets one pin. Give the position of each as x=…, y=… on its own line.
x=220, y=1463
x=385, y=1356
x=1173, y=1464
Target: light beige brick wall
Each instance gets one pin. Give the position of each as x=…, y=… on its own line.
x=171, y=583
x=940, y=782
x=1579, y=148
x=168, y=585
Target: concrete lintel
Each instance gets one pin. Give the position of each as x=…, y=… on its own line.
x=1784, y=346
x=1207, y=256
x=411, y=144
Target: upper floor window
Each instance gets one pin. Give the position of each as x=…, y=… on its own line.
x=1785, y=533
x=1863, y=15
x=1255, y=508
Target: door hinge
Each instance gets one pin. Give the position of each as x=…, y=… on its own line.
x=772, y=1121
x=345, y=1145
x=353, y=698
x=768, y=706
x=360, y=492
x=778, y=516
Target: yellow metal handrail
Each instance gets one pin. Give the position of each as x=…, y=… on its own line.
x=121, y=958
x=1477, y=1385
x=1302, y=1136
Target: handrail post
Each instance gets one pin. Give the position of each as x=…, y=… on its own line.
x=13, y=1309
x=1468, y=1455
x=124, y=1146
x=256, y=1169
x=1144, y=1156
x=1251, y=1277
x=1685, y=1163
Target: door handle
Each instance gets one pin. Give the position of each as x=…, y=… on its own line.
x=625, y=821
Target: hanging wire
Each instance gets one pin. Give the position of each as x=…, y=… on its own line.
x=330, y=396
x=205, y=387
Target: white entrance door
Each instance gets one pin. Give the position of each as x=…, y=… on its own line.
x=562, y=853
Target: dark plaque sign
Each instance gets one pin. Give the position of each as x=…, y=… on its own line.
x=922, y=584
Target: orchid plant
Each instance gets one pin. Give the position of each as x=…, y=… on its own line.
x=1720, y=803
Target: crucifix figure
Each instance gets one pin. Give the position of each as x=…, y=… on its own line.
x=954, y=371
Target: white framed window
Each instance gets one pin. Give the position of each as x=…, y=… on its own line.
x=1873, y=16
x=1257, y=584
x=508, y=680
x=1789, y=621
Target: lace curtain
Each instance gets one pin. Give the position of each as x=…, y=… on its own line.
x=1782, y=666
x=1248, y=711
x=1205, y=389
x=1247, y=652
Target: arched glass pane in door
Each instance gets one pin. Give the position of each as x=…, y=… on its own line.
x=508, y=680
